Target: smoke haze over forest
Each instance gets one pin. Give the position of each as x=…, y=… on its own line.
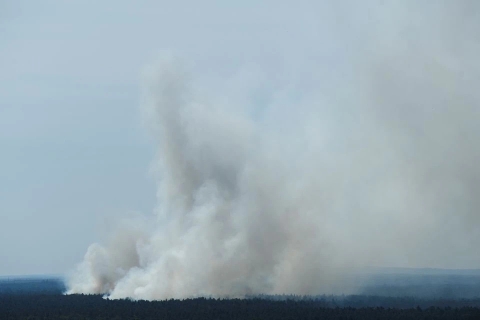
x=291, y=144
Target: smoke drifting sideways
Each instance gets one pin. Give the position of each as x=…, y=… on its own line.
x=376, y=163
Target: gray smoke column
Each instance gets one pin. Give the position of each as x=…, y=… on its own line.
x=376, y=163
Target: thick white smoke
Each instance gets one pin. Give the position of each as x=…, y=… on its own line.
x=378, y=167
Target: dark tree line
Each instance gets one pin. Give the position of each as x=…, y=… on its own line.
x=48, y=306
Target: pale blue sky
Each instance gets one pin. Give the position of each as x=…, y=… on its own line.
x=73, y=150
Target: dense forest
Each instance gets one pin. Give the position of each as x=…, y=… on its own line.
x=49, y=306
x=42, y=298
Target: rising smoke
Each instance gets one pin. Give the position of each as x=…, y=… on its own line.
x=375, y=164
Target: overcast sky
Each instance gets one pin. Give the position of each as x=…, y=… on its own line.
x=74, y=152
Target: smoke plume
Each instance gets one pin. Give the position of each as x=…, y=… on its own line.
x=375, y=162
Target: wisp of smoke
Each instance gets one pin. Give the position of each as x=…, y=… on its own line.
x=382, y=168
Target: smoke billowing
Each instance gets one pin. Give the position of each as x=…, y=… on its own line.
x=374, y=161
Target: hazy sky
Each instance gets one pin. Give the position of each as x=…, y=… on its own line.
x=74, y=152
